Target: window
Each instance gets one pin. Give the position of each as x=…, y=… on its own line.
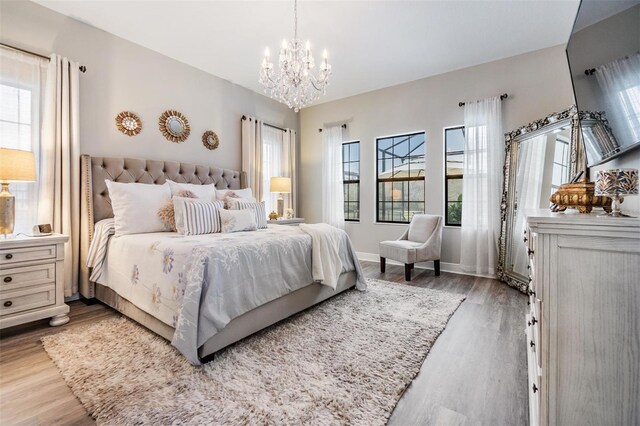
x=400, y=177
x=351, y=180
x=560, y=163
x=454, y=150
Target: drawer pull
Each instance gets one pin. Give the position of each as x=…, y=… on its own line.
x=8, y=279
x=531, y=292
x=528, y=302
x=8, y=256
x=528, y=266
x=529, y=323
x=535, y=388
x=530, y=279
x=525, y=239
x=8, y=303
x=529, y=251
x=532, y=344
x=533, y=320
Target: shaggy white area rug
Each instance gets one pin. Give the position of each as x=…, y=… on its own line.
x=345, y=361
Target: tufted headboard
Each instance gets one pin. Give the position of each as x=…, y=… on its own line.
x=95, y=204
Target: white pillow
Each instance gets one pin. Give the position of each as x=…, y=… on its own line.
x=241, y=193
x=237, y=220
x=207, y=192
x=202, y=218
x=178, y=210
x=135, y=206
x=258, y=208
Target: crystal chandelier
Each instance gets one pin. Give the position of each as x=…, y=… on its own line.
x=294, y=85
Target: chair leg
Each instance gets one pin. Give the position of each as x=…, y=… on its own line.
x=407, y=271
x=383, y=265
x=436, y=267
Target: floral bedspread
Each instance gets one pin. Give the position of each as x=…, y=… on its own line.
x=198, y=284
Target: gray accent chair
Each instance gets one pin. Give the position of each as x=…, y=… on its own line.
x=420, y=242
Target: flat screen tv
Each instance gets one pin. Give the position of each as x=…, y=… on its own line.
x=604, y=59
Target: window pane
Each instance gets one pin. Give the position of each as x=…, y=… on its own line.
x=415, y=208
x=454, y=139
x=354, y=150
x=354, y=171
x=345, y=152
x=454, y=190
x=416, y=145
x=454, y=213
x=353, y=191
x=9, y=107
x=416, y=190
x=454, y=164
x=400, y=213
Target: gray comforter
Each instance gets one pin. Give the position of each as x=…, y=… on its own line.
x=235, y=275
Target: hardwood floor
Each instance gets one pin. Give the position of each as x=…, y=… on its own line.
x=474, y=374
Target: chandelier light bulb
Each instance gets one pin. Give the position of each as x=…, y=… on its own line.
x=325, y=55
x=293, y=83
x=267, y=53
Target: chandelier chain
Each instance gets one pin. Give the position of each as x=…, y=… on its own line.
x=295, y=19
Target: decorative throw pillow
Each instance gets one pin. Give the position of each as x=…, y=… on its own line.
x=135, y=206
x=258, y=208
x=202, y=218
x=178, y=207
x=237, y=193
x=206, y=192
x=167, y=214
x=238, y=220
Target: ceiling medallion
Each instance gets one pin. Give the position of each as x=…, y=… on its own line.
x=128, y=123
x=294, y=85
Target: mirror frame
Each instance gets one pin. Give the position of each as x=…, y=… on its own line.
x=167, y=132
x=577, y=163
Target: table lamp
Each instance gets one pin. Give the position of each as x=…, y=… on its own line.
x=281, y=185
x=15, y=166
x=615, y=183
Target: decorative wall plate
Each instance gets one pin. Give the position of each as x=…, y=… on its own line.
x=174, y=126
x=210, y=140
x=128, y=123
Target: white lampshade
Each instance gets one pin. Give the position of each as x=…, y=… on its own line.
x=281, y=184
x=17, y=165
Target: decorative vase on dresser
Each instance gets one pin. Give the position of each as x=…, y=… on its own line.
x=32, y=280
x=583, y=327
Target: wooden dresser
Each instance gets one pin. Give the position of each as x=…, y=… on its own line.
x=32, y=280
x=583, y=326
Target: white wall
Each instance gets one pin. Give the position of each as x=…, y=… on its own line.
x=125, y=76
x=538, y=83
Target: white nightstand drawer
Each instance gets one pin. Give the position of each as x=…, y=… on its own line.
x=29, y=298
x=26, y=276
x=26, y=254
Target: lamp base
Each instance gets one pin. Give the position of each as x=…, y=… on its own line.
x=616, y=200
x=7, y=210
x=280, y=205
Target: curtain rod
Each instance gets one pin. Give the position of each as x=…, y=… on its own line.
x=82, y=68
x=502, y=98
x=344, y=126
x=244, y=117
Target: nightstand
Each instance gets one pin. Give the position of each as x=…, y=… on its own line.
x=288, y=222
x=32, y=280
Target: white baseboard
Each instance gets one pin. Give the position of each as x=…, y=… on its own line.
x=453, y=268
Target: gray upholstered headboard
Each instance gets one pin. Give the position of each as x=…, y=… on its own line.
x=95, y=204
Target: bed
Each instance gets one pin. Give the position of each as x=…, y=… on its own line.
x=116, y=283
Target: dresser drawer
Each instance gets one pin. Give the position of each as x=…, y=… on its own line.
x=26, y=254
x=26, y=276
x=28, y=298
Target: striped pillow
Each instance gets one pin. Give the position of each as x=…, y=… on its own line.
x=202, y=218
x=258, y=208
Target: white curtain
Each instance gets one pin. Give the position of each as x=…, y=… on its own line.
x=272, y=163
x=332, y=188
x=289, y=169
x=252, y=155
x=22, y=80
x=620, y=83
x=59, y=183
x=483, y=160
x=529, y=191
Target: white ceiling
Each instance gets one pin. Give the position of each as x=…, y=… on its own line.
x=371, y=44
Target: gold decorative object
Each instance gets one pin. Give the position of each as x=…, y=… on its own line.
x=210, y=140
x=128, y=123
x=580, y=196
x=273, y=216
x=174, y=126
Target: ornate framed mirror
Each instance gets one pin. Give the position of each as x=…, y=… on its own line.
x=539, y=157
x=210, y=140
x=128, y=123
x=174, y=126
